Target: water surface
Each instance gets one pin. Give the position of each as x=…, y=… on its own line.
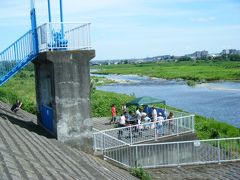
x=219, y=100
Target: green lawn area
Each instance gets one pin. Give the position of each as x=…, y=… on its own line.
x=187, y=70
x=22, y=86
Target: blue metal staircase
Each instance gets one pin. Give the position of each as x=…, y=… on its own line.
x=17, y=56
x=47, y=37
x=20, y=53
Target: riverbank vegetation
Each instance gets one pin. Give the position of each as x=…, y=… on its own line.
x=192, y=71
x=22, y=87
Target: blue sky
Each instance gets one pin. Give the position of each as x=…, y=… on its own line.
x=136, y=28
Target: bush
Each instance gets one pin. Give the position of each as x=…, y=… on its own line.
x=140, y=173
x=214, y=134
x=191, y=83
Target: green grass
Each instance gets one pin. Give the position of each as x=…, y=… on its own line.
x=101, y=102
x=208, y=128
x=189, y=70
x=22, y=87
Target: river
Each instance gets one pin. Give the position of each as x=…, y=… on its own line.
x=220, y=100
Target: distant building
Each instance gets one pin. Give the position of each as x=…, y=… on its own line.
x=198, y=54
x=230, y=51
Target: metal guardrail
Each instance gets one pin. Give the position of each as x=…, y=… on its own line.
x=107, y=139
x=177, y=153
x=64, y=36
x=103, y=141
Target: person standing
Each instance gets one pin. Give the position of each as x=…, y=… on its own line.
x=121, y=124
x=160, y=128
x=138, y=115
x=124, y=108
x=114, y=114
x=170, y=119
x=154, y=117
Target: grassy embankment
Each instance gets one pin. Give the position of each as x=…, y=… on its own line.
x=22, y=87
x=192, y=71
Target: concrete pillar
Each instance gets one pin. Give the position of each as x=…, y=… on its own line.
x=63, y=96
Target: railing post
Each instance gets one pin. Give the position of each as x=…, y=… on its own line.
x=178, y=158
x=219, y=154
x=94, y=142
x=155, y=131
x=103, y=143
x=177, y=125
x=131, y=135
x=193, y=123
x=136, y=157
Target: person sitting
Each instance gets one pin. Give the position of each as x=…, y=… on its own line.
x=16, y=106
x=130, y=117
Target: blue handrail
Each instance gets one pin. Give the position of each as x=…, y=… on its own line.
x=47, y=37
x=17, y=56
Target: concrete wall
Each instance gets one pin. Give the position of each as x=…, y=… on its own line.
x=63, y=83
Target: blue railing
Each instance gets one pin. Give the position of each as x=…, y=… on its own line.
x=47, y=37
x=16, y=56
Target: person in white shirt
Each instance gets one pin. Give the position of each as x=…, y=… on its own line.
x=160, y=128
x=154, y=114
x=138, y=115
x=121, y=124
x=122, y=120
x=154, y=117
x=147, y=121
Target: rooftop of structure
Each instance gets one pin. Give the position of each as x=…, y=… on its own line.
x=26, y=153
